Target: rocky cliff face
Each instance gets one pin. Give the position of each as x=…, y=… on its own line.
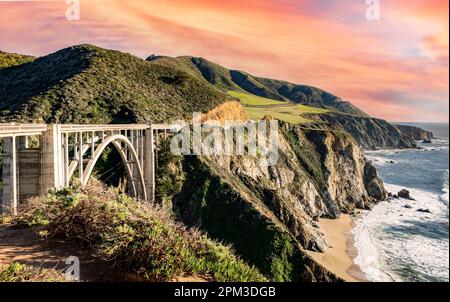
x=415, y=133
x=370, y=133
x=270, y=214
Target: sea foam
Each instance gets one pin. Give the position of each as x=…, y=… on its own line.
x=395, y=243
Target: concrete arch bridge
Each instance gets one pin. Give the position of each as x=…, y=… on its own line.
x=66, y=150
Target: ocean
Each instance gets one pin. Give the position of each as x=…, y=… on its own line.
x=395, y=241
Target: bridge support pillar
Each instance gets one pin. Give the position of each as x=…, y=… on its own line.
x=149, y=165
x=9, y=176
x=52, y=160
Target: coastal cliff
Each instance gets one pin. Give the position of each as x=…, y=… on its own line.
x=270, y=214
x=370, y=133
x=415, y=133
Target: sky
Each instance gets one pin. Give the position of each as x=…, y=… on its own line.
x=396, y=68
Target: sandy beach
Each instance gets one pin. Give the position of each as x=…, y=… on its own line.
x=341, y=252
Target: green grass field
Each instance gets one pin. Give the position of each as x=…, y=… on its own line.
x=254, y=100
x=259, y=113
x=257, y=107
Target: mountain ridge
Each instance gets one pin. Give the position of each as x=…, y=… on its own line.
x=229, y=79
x=88, y=84
x=370, y=132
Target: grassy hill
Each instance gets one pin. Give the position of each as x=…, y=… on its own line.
x=87, y=84
x=257, y=107
x=234, y=80
x=13, y=59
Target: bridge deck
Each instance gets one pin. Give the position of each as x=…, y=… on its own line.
x=8, y=130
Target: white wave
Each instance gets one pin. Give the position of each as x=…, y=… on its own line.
x=378, y=249
x=439, y=141
x=434, y=148
x=444, y=196
x=378, y=160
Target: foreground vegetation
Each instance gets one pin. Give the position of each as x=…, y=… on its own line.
x=17, y=272
x=133, y=236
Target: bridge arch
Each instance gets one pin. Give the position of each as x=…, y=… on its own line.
x=123, y=146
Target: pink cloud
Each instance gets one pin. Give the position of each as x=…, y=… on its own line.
x=327, y=44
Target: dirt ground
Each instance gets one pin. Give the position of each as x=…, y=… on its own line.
x=25, y=246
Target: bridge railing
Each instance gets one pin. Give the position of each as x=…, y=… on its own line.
x=115, y=127
x=9, y=130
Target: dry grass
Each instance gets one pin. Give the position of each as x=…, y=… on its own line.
x=229, y=111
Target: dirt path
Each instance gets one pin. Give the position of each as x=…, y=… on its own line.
x=26, y=247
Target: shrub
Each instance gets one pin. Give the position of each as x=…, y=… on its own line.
x=134, y=236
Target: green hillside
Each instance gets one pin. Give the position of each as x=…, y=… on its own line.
x=234, y=80
x=13, y=59
x=257, y=107
x=87, y=84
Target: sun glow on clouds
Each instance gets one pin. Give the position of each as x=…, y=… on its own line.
x=395, y=68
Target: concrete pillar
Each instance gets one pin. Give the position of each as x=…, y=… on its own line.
x=149, y=164
x=28, y=171
x=22, y=142
x=52, y=161
x=9, y=176
x=141, y=152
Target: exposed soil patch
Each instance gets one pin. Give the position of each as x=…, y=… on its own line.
x=25, y=246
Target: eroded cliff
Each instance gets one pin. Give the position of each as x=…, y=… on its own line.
x=269, y=214
x=415, y=133
x=370, y=133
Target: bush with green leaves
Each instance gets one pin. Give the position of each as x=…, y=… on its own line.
x=134, y=236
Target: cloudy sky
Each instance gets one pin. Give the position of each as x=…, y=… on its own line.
x=395, y=68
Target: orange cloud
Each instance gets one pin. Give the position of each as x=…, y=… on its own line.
x=395, y=68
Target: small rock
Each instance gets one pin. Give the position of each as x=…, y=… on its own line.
x=407, y=206
x=424, y=211
x=405, y=194
x=392, y=162
x=427, y=141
